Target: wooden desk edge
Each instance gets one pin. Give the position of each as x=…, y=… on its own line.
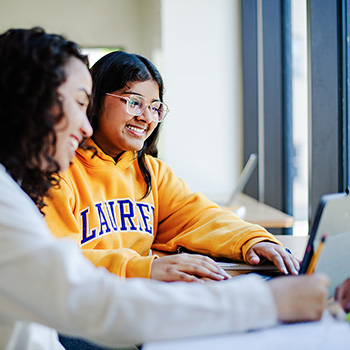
x=261, y=213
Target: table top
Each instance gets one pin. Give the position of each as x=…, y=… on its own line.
x=321, y=335
x=260, y=213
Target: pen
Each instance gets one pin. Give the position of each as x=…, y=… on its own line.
x=315, y=257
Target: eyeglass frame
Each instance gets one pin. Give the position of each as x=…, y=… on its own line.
x=149, y=105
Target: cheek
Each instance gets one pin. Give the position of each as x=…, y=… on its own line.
x=111, y=119
x=69, y=124
x=153, y=125
x=70, y=121
x=62, y=136
x=108, y=125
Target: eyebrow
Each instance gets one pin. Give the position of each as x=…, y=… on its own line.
x=86, y=92
x=136, y=93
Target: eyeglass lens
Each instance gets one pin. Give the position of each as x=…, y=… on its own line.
x=137, y=105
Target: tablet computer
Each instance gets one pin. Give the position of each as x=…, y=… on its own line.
x=332, y=217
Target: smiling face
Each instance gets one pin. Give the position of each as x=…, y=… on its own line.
x=74, y=125
x=119, y=131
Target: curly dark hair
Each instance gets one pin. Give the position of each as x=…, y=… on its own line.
x=115, y=71
x=32, y=67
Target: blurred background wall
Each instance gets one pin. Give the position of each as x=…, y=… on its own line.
x=196, y=46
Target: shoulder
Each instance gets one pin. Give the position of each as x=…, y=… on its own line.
x=19, y=214
x=156, y=163
x=10, y=192
x=75, y=173
x=163, y=173
x=157, y=166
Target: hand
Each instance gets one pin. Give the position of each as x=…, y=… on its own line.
x=187, y=268
x=300, y=298
x=285, y=262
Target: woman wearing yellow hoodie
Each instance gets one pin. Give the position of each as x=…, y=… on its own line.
x=118, y=201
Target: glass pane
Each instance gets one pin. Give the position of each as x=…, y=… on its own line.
x=300, y=117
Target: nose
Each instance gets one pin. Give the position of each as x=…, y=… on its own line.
x=86, y=128
x=146, y=116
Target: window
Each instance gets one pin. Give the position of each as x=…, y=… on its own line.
x=305, y=156
x=300, y=118
x=267, y=100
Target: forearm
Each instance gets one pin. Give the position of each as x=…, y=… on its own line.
x=123, y=262
x=216, y=232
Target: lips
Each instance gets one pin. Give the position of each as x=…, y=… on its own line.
x=136, y=129
x=74, y=143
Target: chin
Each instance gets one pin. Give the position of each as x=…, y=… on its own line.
x=63, y=165
x=137, y=147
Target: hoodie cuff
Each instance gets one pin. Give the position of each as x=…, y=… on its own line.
x=140, y=266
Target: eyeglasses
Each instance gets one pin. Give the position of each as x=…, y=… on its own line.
x=136, y=105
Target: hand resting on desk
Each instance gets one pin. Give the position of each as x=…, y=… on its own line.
x=285, y=262
x=187, y=268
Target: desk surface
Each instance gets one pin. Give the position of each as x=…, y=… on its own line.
x=261, y=213
x=322, y=335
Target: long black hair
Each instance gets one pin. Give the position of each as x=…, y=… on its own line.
x=113, y=72
x=32, y=67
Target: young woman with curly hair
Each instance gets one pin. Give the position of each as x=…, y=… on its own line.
x=46, y=283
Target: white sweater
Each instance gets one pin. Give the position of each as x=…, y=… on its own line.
x=46, y=285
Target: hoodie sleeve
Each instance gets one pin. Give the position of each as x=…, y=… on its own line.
x=123, y=262
x=190, y=220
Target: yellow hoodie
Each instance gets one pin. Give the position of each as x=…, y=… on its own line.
x=99, y=204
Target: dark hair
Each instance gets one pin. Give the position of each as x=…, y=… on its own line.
x=32, y=67
x=113, y=72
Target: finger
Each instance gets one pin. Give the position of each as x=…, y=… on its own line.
x=290, y=266
x=166, y=269
x=214, y=267
x=296, y=263
x=199, y=271
x=282, y=259
x=291, y=263
x=207, y=263
x=174, y=275
x=288, y=260
x=252, y=258
x=277, y=259
x=294, y=260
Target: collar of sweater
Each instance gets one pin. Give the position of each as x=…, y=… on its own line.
x=103, y=159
